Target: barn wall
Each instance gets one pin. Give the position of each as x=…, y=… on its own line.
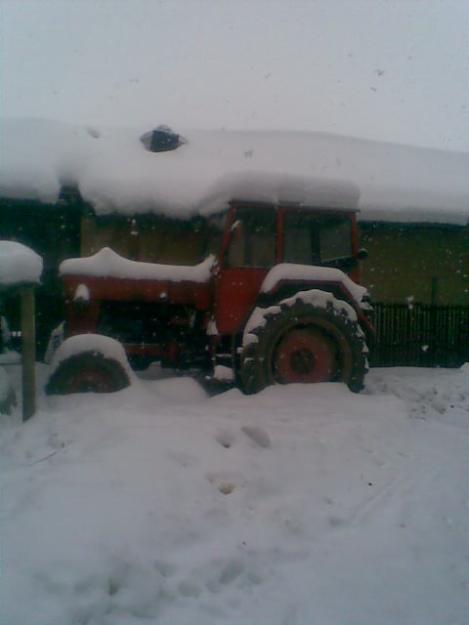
x=53, y=231
x=148, y=239
x=427, y=262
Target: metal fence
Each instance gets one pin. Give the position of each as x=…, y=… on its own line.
x=420, y=335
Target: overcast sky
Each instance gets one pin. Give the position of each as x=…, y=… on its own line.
x=391, y=70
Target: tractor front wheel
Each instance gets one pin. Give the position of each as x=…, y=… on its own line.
x=88, y=372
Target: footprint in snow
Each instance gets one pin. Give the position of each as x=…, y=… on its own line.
x=226, y=438
x=226, y=481
x=189, y=589
x=258, y=435
x=224, y=573
x=183, y=458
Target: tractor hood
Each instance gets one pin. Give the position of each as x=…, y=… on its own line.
x=108, y=276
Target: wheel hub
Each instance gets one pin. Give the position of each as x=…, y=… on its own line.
x=302, y=361
x=305, y=355
x=91, y=380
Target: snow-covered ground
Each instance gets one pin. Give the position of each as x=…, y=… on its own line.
x=301, y=505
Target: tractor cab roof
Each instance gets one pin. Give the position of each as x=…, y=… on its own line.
x=282, y=190
x=237, y=203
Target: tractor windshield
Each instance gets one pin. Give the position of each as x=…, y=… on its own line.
x=252, y=241
x=312, y=239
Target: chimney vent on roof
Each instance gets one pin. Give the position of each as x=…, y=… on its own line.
x=161, y=139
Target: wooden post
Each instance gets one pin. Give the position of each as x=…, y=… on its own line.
x=28, y=352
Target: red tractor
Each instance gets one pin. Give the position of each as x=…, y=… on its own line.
x=275, y=300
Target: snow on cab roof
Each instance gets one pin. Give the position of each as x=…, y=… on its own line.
x=114, y=171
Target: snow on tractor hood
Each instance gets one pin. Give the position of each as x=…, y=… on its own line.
x=107, y=264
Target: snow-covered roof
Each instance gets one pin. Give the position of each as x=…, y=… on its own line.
x=115, y=173
x=18, y=264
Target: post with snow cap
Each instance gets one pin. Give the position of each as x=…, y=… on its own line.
x=28, y=350
x=20, y=271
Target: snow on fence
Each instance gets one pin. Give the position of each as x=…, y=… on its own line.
x=420, y=335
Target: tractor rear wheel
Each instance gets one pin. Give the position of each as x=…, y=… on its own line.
x=87, y=372
x=305, y=339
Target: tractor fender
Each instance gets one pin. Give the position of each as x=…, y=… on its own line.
x=303, y=277
x=286, y=280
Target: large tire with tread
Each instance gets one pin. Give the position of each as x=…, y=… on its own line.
x=87, y=372
x=305, y=341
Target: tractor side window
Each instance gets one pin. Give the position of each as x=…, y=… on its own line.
x=316, y=239
x=299, y=244
x=252, y=242
x=335, y=239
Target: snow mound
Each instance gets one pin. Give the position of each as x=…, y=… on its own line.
x=18, y=264
x=94, y=343
x=223, y=373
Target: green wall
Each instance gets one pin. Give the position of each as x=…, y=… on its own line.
x=427, y=262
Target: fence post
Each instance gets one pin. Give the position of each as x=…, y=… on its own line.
x=28, y=352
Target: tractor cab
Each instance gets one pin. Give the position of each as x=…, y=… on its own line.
x=260, y=236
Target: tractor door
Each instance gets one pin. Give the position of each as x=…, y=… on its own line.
x=249, y=252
